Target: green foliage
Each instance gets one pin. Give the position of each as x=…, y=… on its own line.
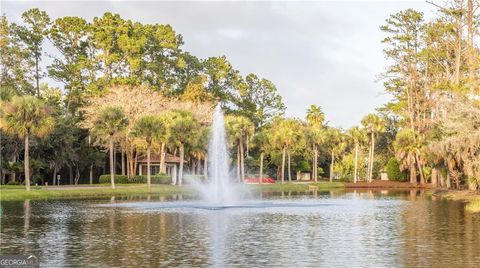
x=16, y=182
x=393, y=171
x=259, y=101
x=110, y=121
x=118, y=178
x=156, y=179
x=315, y=116
x=26, y=115
x=149, y=127
x=182, y=127
x=238, y=128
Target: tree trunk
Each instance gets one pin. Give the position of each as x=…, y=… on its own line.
x=470, y=48
x=162, y=159
x=205, y=166
x=313, y=161
x=238, y=163
x=199, y=166
x=368, y=161
x=131, y=164
x=332, y=162
x=26, y=165
x=37, y=76
x=413, y=174
x=91, y=164
x=180, y=172
x=77, y=174
x=112, y=168
x=261, y=168
x=458, y=49
x=441, y=178
x=316, y=163
x=128, y=165
x=135, y=162
x=193, y=167
x=123, y=161
x=282, y=172
x=54, y=175
x=14, y=160
x=91, y=174
x=242, y=160
x=420, y=170
x=289, y=167
x=70, y=174
x=355, y=171
x=434, y=179
x=370, y=176
x=149, y=178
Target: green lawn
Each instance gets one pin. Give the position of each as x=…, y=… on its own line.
x=295, y=186
x=17, y=192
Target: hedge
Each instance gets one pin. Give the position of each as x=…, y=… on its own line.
x=189, y=178
x=118, y=178
x=393, y=171
x=157, y=179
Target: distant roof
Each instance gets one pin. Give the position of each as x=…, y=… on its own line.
x=155, y=158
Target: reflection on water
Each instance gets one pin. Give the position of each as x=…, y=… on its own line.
x=358, y=228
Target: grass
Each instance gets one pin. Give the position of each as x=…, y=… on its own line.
x=471, y=198
x=17, y=192
x=295, y=186
x=473, y=206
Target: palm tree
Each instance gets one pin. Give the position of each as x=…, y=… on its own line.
x=334, y=137
x=239, y=129
x=407, y=150
x=373, y=124
x=285, y=132
x=26, y=116
x=108, y=124
x=358, y=137
x=315, y=117
x=260, y=140
x=182, y=129
x=149, y=127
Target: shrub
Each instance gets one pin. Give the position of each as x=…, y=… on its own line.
x=199, y=178
x=393, y=171
x=118, y=178
x=156, y=179
x=161, y=179
x=14, y=182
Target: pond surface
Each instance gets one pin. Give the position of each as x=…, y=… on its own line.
x=325, y=229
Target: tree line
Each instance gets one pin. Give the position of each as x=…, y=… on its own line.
x=130, y=89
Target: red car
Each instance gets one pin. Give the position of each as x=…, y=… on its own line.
x=256, y=180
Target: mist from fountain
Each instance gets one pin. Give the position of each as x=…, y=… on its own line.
x=218, y=188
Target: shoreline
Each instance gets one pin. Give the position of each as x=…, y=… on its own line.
x=87, y=191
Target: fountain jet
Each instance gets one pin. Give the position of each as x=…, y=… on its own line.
x=218, y=189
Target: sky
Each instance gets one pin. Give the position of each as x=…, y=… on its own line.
x=327, y=53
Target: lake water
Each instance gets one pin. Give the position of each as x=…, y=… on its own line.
x=324, y=229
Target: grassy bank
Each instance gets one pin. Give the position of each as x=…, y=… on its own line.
x=17, y=192
x=85, y=191
x=472, y=199
x=295, y=187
